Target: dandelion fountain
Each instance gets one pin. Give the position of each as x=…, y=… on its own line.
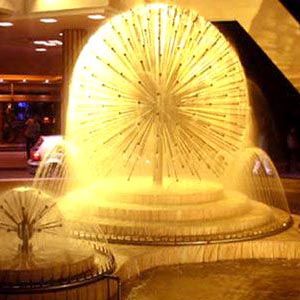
x=156, y=152
x=42, y=254
x=158, y=113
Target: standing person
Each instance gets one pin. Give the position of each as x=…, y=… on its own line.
x=32, y=133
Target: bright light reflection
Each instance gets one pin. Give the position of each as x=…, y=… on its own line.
x=168, y=89
x=48, y=20
x=48, y=43
x=40, y=49
x=96, y=17
x=6, y=24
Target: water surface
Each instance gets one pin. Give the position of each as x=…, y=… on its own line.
x=250, y=279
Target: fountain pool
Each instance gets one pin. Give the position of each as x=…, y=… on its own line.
x=229, y=280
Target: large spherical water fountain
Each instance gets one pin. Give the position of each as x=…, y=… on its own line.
x=158, y=112
x=165, y=98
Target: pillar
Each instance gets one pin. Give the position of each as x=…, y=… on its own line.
x=1, y=122
x=73, y=41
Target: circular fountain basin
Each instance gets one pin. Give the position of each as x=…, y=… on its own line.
x=186, y=191
x=177, y=213
x=40, y=251
x=63, y=260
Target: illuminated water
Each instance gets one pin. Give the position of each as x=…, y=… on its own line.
x=156, y=115
x=38, y=244
x=233, y=280
x=167, y=98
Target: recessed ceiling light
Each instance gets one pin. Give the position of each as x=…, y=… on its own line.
x=40, y=49
x=6, y=24
x=61, y=34
x=48, y=20
x=54, y=43
x=39, y=42
x=1, y=80
x=49, y=43
x=96, y=17
x=24, y=80
x=47, y=81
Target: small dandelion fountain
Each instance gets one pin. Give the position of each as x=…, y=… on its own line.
x=40, y=251
x=21, y=219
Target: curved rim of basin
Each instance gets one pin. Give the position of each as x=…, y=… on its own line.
x=197, y=239
x=77, y=281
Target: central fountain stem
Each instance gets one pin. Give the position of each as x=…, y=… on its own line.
x=158, y=154
x=158, y=163
x=25, y=232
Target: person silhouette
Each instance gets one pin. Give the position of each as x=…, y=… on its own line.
x=32, y=133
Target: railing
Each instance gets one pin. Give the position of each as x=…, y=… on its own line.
x=53, y=287
x=228, y=237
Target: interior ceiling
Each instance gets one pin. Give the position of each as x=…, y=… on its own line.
x=17, y=51
x=267, y=21
x=278, y=34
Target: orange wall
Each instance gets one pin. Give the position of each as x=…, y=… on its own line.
x=14, y=63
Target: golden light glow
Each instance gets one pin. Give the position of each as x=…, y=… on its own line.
x=38, y=244
x=18, y=77
x=159, y=96
x=96, y=17
x=253, y=174
x=168, y=89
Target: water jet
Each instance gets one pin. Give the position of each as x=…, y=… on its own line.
x=157, y=116
x=41, y=253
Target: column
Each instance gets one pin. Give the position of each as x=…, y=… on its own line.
x=1, y=122
x=73, y=41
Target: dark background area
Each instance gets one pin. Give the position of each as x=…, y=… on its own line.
x=275, y=101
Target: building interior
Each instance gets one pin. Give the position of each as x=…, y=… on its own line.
x=176, y=168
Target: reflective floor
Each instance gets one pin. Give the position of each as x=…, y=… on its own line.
x=259, y=280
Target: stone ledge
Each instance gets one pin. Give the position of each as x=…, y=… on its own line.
x=133, y=260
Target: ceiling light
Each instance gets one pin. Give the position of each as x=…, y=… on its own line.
x=47, y=81
x=39, y=42
x=24, y=80
x=40, y=49
x=48, y=20
x=96, y=17
x=1, y=80
x=61, y=34
x=49, y=43
x=54, y=43
x=6, y=24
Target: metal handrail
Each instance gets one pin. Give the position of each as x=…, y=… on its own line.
x=49, y=288
x=195, y=239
